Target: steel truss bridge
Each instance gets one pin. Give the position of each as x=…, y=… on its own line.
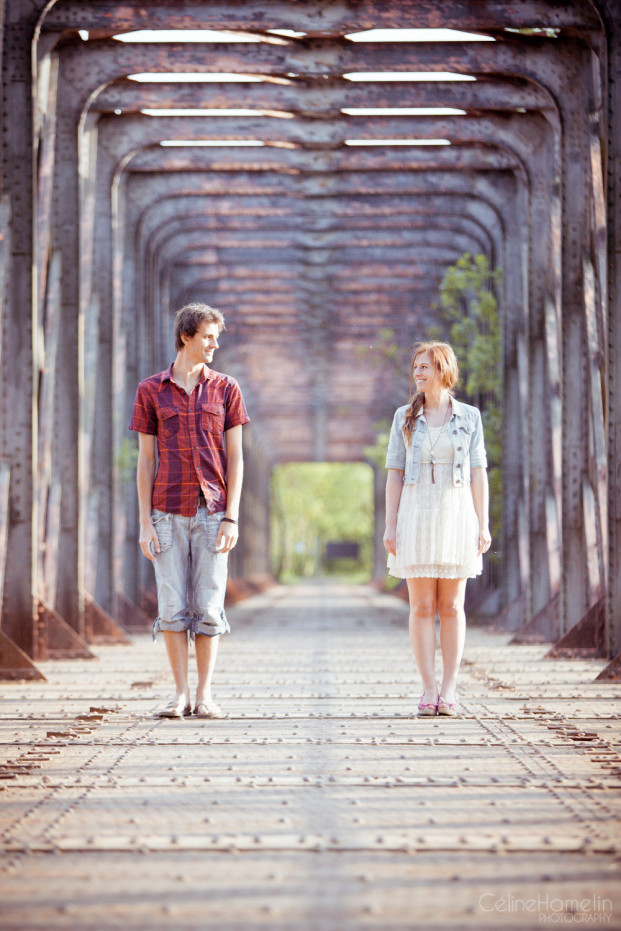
x=309, y=245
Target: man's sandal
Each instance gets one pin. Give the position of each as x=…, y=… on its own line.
x=208, y=709
x=177, y=708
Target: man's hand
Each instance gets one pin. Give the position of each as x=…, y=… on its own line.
x=148, y=539
x=228, y=536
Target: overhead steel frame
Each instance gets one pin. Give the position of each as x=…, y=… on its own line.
x=220, y=132
x=590, y=312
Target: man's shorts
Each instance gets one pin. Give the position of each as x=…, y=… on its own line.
x=190, y=575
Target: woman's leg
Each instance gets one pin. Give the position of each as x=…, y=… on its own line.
x=451, y=594
x=423, y=605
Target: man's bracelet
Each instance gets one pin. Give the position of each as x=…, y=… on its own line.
x=229, y=520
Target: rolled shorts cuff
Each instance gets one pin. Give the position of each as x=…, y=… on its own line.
x=210, y=627
x=195, y=625
x=176, y=624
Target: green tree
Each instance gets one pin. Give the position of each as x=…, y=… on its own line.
x=470, y=321
x=317, y=502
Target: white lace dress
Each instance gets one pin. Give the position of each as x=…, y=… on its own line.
x=437, y=527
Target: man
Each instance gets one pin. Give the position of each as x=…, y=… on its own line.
x=189, y=498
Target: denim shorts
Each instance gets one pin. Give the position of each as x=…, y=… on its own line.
x=189, y=574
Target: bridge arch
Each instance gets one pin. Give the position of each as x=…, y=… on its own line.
x=118, y=228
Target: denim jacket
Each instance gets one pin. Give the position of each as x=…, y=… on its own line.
x=465, y=431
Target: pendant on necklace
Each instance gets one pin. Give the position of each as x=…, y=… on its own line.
x=433, y=462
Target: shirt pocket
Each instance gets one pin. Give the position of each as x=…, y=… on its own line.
x=169, y=418
x=212, y=417
x=466, y=430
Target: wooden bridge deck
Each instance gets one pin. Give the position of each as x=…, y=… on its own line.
x=320, y=801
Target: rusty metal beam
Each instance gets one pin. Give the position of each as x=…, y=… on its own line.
x=355, y=227
x=495, y=130
x=67, y=459
x=100, y=627
x=15, y=663
x=17, y=422
x=587, y=638
x=540, y=60
x=497, y=92
x=321, y=17
x=469, y=156
x=521, y=57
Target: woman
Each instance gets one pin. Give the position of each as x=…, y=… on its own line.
x=436, y=515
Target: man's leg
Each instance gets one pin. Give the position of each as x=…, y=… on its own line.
x=177, y=649
x=209, y=572
x=206, y=654
x=171, y=568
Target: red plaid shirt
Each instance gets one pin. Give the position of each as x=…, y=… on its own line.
x=190, y=437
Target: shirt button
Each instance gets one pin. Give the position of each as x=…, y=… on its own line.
x=459, y=449
x=454, y=432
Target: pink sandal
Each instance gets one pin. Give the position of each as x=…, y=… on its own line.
x=426, y=709
x=448, y=708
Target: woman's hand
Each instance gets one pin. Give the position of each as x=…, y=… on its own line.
x=390, y=538
x=485, y=541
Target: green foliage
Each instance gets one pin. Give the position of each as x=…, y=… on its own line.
x=376, y=453
x=127, y=459
x=471, y=323
x=385, y=346
x=318, y=502
x=470, y=310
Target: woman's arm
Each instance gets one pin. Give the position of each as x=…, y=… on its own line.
x=480, y=496
x=394, y=487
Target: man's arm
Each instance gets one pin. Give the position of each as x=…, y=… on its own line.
x=145, y=477
x=229, y=533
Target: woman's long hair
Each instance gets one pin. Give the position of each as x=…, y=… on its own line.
x=443, y=359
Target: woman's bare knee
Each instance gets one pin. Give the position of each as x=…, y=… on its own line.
x=421, y=611
x=450, y=609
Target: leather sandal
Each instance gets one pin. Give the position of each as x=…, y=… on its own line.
x=177, y=708
x=208, y=709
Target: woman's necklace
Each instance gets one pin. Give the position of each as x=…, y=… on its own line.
x=433, y=445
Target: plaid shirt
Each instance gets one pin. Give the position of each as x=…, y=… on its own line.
x=190, y=437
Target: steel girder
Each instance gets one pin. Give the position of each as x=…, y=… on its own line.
x=326, y=99
x=148, y=193
x=323, y=17
x=566, y=303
